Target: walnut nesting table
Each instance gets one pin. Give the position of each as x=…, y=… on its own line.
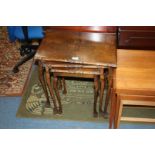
x=75, y=54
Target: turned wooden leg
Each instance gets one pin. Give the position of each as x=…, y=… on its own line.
x=109, y=77
x=112, y=108
x=55, y=79
x=42, y=81
x=101, y=92
x=59, y=84
x=55, y=109
x=64, y=86
x=96, y=89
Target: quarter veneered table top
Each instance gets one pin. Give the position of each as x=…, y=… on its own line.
x=78, y=47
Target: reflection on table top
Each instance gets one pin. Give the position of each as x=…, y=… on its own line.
x=79, y=47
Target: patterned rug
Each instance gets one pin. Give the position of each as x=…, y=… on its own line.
x=77, y=103
x=11, y=84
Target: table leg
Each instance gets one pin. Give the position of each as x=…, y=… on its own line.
x=42, y=81
x=55, y=79
x=108, y=96
x=64, y=86
x=55, y=109
x=59, y=83
x=101, y=91
x=96, y=89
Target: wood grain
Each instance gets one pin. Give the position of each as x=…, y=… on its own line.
x=88, y=48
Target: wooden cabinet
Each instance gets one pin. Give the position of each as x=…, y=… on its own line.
x=136, y=37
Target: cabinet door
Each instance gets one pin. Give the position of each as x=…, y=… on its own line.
x=136, y=37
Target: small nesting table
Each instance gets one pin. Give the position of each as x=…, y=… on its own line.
x=75, y=54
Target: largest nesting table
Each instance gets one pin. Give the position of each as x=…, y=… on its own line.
x=75, y=54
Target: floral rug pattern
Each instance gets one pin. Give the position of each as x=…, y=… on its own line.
x=77, y=103
x=11, y=84
x=78, y=93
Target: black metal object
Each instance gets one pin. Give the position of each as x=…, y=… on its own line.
x=27, y=50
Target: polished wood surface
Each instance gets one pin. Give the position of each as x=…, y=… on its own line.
x=136, y=59
x=79, y=47
x=135, y=70
x=137, y=28
x=77, y=54
x=136, y=37
x=109, y=29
